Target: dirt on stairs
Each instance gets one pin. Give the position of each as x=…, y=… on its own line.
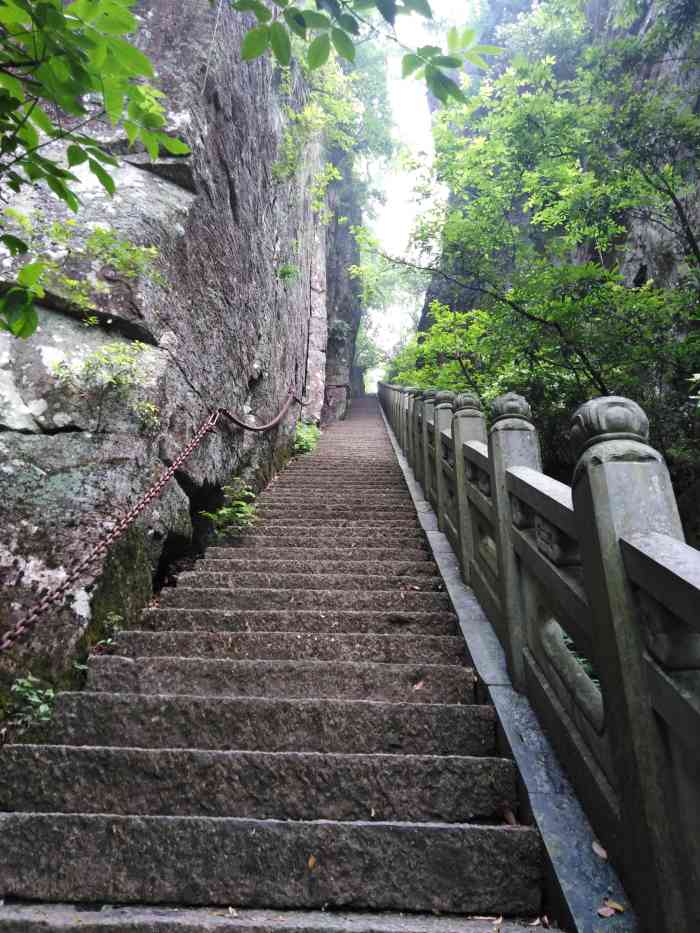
x=291, y=737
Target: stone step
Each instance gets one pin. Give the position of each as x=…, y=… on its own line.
x=265, y=785
x=299, y=646
x=309, y=581
x=369, y=543
x=358, y=680
x=317, y=555
x=300, y=620
x=147, y=721
x=394, y=568
x=387, y=600
x=351, y=521
x=444, y=867
x=64, y=918
x=335, y=509
x=273, y=495
x=399, y=532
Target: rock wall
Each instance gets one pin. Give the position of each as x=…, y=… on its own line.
x=217, y=324
x=343, y=302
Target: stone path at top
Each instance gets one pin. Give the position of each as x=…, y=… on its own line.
x=289, y=738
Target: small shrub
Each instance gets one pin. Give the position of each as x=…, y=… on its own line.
x=287, y=272
x=237, y=512
x=149, y=416
x=306, y=437
x=32, y=704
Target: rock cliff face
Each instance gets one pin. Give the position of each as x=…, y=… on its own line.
x=199, y=317
x=343, y=295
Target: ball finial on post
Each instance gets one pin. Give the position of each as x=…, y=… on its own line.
x=511, y=405
x=609, y=418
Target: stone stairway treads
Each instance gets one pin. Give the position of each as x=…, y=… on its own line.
x=288, y=741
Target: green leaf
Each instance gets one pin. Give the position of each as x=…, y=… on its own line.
x=409, y=64
x=477, y=60
x=488, y=49
x=14, y=244
x=453, y=42
x=261, y=12
x=281, y=46
x=255, y=43
x=104, y=178
x=172, y=145
x=30, y=274
x=295, y=20
x=25, y=322
x=447, y=61
x=63, y=192
x=429, y=51
x=130, y=59
x=318, y=52
x=388, y=10
x=422, y=7
x=343, y=44
x=315, y=20
x=442, y=86
x=349, y=24
x=468, y=36
x=150, y=141
x=76, y=155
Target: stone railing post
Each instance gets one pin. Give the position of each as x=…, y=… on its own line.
x=621, y=487
x=443, y=422
x=468, y=424
x=410, y=426
x=513, y=442
x=427, y=466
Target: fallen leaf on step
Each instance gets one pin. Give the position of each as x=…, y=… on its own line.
x=616, y=906
x=599, y=850
x=419, y=685
x=312, y=862
x=606, y=911
x=232, y=912
x=535, y=923
x=509, y=817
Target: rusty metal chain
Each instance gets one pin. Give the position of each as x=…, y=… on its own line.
x=56, y=595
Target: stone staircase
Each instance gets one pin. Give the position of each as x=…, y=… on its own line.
x=291, y=733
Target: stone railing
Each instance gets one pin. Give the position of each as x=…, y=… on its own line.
x=595, y=597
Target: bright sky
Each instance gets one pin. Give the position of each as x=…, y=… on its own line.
x=395, y=220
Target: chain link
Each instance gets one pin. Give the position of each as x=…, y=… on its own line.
x=58, y=593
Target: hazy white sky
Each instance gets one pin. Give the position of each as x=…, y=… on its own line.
x=395, y=220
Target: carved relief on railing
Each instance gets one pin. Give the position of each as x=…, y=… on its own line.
x=559, y=648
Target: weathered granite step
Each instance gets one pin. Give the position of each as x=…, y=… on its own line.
x=350, y=680
x=221, y=598
x=246, y=579
x=394, y=568
x=293, y=540
x=458, y=868
x=350, y=518
x=64, y=918
x=367, y=500
x=264, y=785
x=317, y=555
x=308, y=646
x=301, y=620
x=401, y=532
x=147, y=721
x=336, y=510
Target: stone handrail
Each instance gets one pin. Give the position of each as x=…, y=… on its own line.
x=593, y=594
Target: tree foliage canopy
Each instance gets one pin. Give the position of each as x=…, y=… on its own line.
x=549, y=165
